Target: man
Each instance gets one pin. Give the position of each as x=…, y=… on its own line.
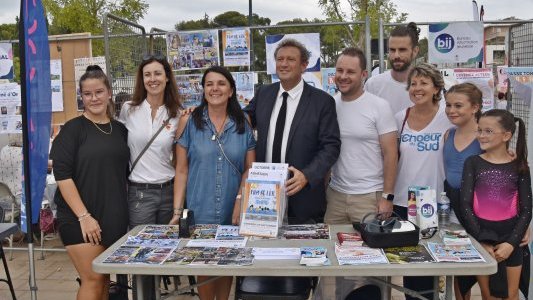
x=363, y=177
x=304, y=135
x=392, y=85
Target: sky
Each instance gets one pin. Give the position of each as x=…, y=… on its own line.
x=164, y=14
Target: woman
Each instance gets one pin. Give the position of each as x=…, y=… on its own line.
x=421, y=141
x=154, y=106
x=90, y=156
x=213, y=155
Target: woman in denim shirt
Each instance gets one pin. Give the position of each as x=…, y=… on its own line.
x=214, y=153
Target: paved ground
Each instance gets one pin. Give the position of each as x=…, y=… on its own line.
x=56, y=277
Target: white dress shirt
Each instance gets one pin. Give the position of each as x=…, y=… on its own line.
x=155, y=165
x=292, y=103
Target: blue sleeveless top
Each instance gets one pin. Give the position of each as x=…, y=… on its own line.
x=454, y=160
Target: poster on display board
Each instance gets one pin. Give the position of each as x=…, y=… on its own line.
x=10, y=108
x=190, y=89
x=6, y=61
x=456, y=42
x=482, y=78
x=56, y=84
x=328, y=81
x=311, y=78
x=311, y=41
x=191, y=50
x=236, y=47
x=80, y=65
x=521, y=83
x=244, y=82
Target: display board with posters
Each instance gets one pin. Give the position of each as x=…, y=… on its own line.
x=311, y=41
x=456, y=42
x=80, y=65
x=189, y=50
x=328, y=81
x=190, y=89
x=244, y=82
x=10, y=108
x=56, y=84
x=236, y=47
x=482, y=78
x=6, y=61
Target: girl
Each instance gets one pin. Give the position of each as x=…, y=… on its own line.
x=495, y=201
x=90, y=157
x=463, y=108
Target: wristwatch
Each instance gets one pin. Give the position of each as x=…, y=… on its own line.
x=389, y=197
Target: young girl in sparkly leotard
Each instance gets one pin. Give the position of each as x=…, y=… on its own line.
x=495, y=202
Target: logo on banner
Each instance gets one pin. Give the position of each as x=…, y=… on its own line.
x=444, y=43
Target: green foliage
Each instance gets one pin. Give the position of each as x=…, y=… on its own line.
x=75, y=16
x=359, y=9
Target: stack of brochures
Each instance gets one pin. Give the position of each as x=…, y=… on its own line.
x=408, y=255
x=153, y=245
x=455, y=253
x=313, y=256
x=264, y=201
x=276, y=253
x=318, y=231
x=359, y=255
x=212, y=235
x=211, y=256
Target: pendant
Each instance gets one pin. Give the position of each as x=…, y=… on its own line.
x=213, y=137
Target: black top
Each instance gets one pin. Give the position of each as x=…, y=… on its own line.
x=498, y=190
x=98, y=164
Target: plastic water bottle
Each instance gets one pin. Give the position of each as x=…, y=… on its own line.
x=443, y=210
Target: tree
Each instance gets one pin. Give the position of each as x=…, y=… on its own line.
x=358, y=11
x=74, y=16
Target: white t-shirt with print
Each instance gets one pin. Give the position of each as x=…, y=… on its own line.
x=359, y=169
x=421, y=162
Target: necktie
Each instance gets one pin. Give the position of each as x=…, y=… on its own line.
x=280, y=126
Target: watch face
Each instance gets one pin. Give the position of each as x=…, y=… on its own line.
x=390, y=197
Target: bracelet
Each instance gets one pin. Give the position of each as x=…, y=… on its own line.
x=177, y=211
x=83, y=216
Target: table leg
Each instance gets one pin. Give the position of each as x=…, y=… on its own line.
x=386, y=289
x=140, y=291
x=157, y=282
x=8, y=277
x=449, y=287
x=436, y=288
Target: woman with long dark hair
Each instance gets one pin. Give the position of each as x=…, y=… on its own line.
x=214, y=152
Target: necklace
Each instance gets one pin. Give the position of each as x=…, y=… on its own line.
x=98, y=127
x=218, y=130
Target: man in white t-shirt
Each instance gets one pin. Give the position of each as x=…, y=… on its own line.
x=392, y=85
x=362, y=179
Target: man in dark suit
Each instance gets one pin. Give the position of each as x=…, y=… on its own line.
x=297, y=124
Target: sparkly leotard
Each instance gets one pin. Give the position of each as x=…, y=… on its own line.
x=495, y=192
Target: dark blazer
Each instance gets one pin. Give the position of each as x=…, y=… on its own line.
x=313, y=145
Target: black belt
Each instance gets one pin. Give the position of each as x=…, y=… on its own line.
x=152, y=185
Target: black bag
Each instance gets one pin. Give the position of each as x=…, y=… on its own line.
x=379, y=232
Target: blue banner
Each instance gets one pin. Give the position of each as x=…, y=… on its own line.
x=36, y=103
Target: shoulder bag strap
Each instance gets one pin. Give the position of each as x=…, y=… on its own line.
x=405, y=119
x=165, y=123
